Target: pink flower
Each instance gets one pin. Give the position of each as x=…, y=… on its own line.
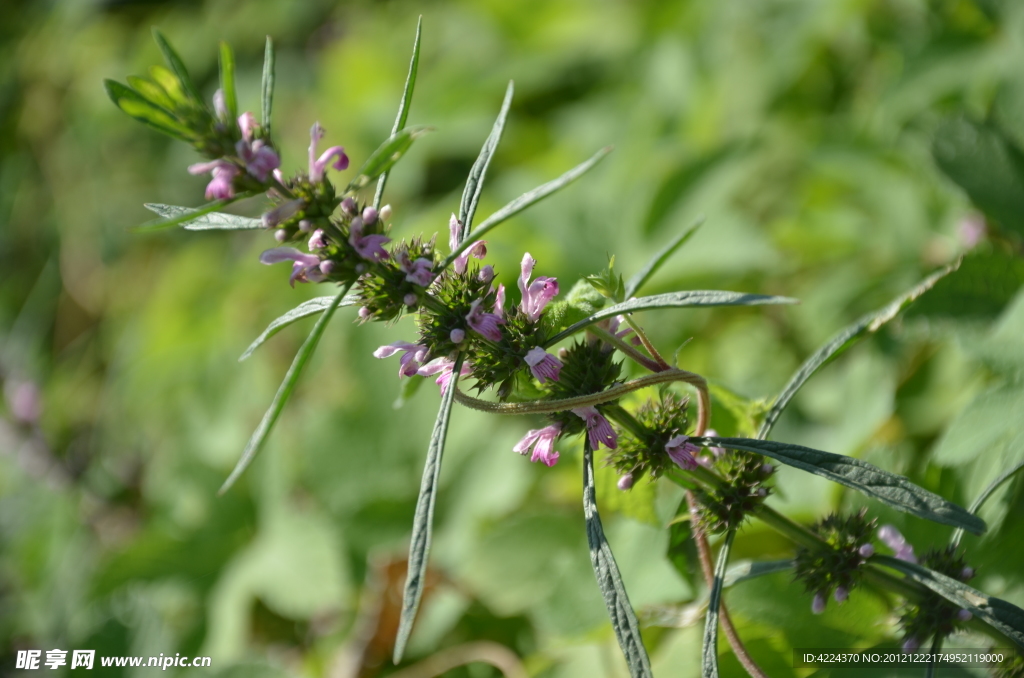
x=499, y=302
x=598, y=429
x=369, y=247
x=318, y=165
x=681, y=451
x=220, y=104
x=443, y=368
x=418, y=271
x=221, y=186
x=478, y=250
x=305, y=267
x=537, y=294
x=260, y=160
x=317, y=241
x=892, y=538
x=485, y=324
x=543, y=365
x=412, y=356
x=454, y=232
x=542, y=440
x=247, y=125
x=613, y=327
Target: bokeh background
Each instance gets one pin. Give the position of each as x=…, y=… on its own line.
x=840, y=151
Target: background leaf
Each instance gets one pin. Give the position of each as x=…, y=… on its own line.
x=178, y=66
x=144, y=110
x=267, y=90
x=227, y=79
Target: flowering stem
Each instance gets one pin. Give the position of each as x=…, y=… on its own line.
x=646, y=342
x=626, y=420
x=606, y=336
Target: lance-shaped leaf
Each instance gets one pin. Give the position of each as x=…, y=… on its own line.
x=419, y=548
x=888, y=488
x=177, y=66
x=197, y=219
x=983, y=497
x=403, y=105
x=843, y=340
x=1005, y=617
x=144, y=110
x=303, y=310
x=624, y=622
x=651, y=267
x=152, y=91
x=267, y=93
x=709, y=653
x=526, y=200
x=477, y=174
x=386, y=155
x=227, y=79
x=284, y=392
x=672, y=300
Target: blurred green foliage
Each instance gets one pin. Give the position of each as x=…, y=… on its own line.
x=836, y=149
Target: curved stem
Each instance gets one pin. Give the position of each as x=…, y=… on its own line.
x=439, y=663
x=646, y=342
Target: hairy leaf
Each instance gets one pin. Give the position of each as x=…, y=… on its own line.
x=178, y=66
x=652, y=266
x=386, y=155
x=888, y=488
x=227, y=79
x=267, y=93
x=303, y=310
x=477, y=174
x=709, y=653
x=422, y=526
x=144, y=110
x=842, y=341
x=403, y=105
x=284, y=392
x=672, y=300
x=624, y=622
x=202, y=221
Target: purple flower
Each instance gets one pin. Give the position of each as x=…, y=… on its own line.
x=418, y=271
x=892, y=538
x=625, y=482
x=24, y=401
x=841, y=594
x=818, y=604
x=866, y=550
x=221, y=186
x=542, y=440
x=316, y=241
x=369, y=247
x=282, y=212
x=486, y=274
x=305, y=267
x=499, y=302
x=485, y=324
x=454, y=232
x=478, y=250
x=443, y=368
x=963, y=615
x=537, y=294
x=247, y=125
x=681, y=451
x=598, y=429
x=259, y=158
x=412, y=356
x=318, y=165
x=543, y=365
x=457, y=335
x=911, y=644
x=966, y=574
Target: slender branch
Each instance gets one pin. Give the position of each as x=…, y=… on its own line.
x=439, y=663
x=645, y=341
x=626, y=349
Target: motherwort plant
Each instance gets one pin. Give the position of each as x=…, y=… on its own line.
x=539, y=350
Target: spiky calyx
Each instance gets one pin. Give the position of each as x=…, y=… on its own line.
x=835, y=567
x=934, y=616
x=586, y=368
x=644, y=454
x=385, y=291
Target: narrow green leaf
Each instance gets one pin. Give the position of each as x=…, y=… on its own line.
x=208, y=221
x=624, y=622
x=178, y=66
x=303, y=310
x=983, y=497
x=649, y=269
x=386, y=155
x=267, y=95
x=189, y=215
x=888, y=488
x=1005, y=617
x=153, y=92
x=144, y=110
x=751, y=569
x=422, y=526
x=477, y=174
x=526, y=200
x=843, y=340
x=709, y=653
x=284, y=392
x=403, y=105
x=170, y=84
x=227, y=78
x=672, y=300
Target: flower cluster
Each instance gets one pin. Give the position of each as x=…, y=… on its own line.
x=934, y=616
x=835, y=567
x=725, y=506
x=657, y=442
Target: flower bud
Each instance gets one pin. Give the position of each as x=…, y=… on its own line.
x=767, y=469
x=963, y=615
x=818, y=604
x=369, y=214
x=625, y=482
x=385, y=213
x=364, y=312
x=327, y=266
x=316, y=241
x=911, y=644
x=280, y=235
x=348, y=206
x=966, y=573
x=866, y=550
x=305, y=225
x=486, y=274
x=841, y=594
x=457, y=335
x=360, y=268
x=411, y=299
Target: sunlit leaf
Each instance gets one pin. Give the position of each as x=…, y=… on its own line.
x=144, y=110
x=478, y=173
x=178, y=66
x=227, y=79
x=267, y=90
x=386, y=155
x=303, y=310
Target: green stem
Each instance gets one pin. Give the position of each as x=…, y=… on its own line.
x=626, y=349
x=662, y=365
x=627, y=420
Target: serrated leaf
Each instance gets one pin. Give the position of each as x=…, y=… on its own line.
x=227, y=79
x=284, y=392
x=267, y=89
x=153, y=92
x=986, y=493
x=652, y=266
x=842, y=341
x=526, y=200
x=890, y=489
x=422, y=527
x=386, y=155
x=210, y=221
x=1005, y=617
x=709, y=651
x=144, y=110
x=672, y=300
x=478, y=173
x=303, y=310
x=177, y=66
x=403, y=105
x=624, y=621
